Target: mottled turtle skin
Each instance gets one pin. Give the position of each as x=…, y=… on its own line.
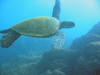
x=37, y=27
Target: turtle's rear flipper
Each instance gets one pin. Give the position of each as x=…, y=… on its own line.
x=5, y=31
x=58, y=41
x=8, y=38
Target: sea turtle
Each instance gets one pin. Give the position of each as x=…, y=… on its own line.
x=42, y=27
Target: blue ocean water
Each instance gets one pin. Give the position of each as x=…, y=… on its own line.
x=85, y=13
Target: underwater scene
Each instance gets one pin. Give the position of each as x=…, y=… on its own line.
x=49, y=37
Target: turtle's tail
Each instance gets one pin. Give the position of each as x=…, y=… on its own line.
x=8, y=38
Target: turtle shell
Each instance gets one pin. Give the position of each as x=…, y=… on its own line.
x=37, y=27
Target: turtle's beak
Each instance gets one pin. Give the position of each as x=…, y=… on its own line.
x=67, y=24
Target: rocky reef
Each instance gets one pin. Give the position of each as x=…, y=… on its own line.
x=89, y=41
x=83, y=58
x=88, y=46
x=56, y=63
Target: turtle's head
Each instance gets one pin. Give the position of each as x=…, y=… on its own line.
x=67, y=24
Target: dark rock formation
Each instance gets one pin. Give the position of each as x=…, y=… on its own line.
x=89, y=47
x=57, y=60
x=85, y=41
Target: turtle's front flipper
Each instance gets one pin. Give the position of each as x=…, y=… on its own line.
x=58, y=40
x=8, y=38
x=56, y=10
